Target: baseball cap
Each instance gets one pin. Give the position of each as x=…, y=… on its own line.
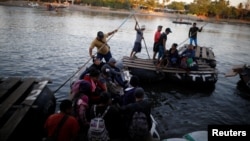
x=106, y=71
x=100, y=34
x=112, y=60
x=169, y=30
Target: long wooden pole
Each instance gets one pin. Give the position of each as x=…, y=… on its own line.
x=74, y=74
x=191, y=35
x=142, y=38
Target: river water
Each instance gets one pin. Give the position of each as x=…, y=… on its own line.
x=40, y=43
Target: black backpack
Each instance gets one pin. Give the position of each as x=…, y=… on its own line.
x=139, y=127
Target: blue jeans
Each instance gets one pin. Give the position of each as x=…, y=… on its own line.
x=161, y=52
x=193, y=39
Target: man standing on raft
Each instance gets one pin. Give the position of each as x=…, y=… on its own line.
x=192, y=34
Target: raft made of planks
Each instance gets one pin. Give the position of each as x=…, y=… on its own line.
x=200, y=52
x=148, y=64
x=17, y=97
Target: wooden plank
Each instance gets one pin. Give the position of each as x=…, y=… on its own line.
x=204, y=52
x=150, y=61
x=44, y=79
x=167, y=68
x=19, y=114
x=137, y=62
x=137, y=59
x=7, y=84
x=175, y=71
x=201, y=64
x=197, y=52
x=172, y=70
x=5, y=106
x=150, y=64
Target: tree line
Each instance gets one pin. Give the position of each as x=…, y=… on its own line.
x=220, y=9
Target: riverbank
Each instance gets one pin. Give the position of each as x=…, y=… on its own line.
x=121, y=11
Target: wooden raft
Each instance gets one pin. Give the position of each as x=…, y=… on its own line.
x=148, y=64
x=200, y=52
x=16, y=98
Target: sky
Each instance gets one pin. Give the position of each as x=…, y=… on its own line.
x=232, y=2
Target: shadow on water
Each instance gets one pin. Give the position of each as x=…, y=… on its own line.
x=176, y=105
x=156, y=91
x=243, y=90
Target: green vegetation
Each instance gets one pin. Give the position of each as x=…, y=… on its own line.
x=220, y=9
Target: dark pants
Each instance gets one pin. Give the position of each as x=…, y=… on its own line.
x=137, y=47
x=106, y=56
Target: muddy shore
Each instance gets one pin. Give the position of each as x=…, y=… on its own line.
x=120, y=11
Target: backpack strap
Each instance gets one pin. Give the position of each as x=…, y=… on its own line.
x=59, y=126
x=95, y=110
x=105, y=112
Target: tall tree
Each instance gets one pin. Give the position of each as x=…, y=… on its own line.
x=200, y=7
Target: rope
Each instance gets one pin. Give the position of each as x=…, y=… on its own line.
x=142, y=38
x=191, y=35
x=74, y=74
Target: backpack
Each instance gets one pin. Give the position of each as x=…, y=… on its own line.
x=97, y=130
x=139, y=126
x=80, y=113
